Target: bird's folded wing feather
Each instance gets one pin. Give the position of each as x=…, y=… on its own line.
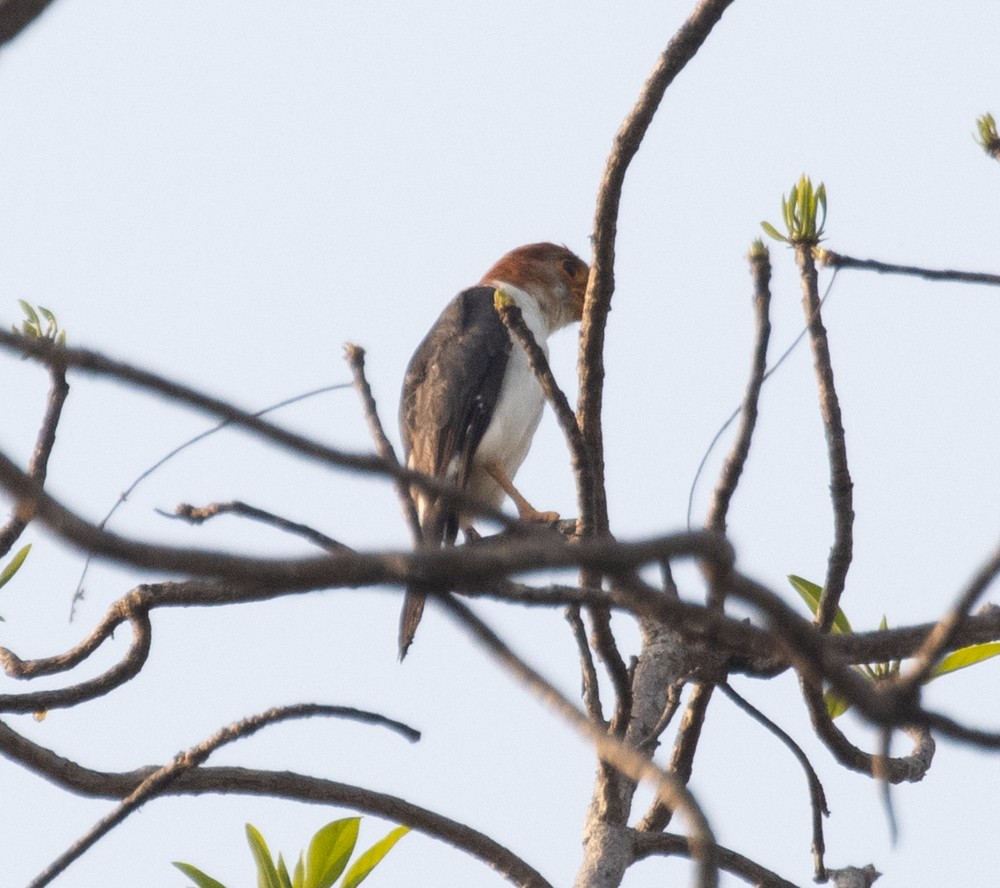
x=450, y=391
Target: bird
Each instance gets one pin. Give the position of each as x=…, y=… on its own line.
x=470, y=402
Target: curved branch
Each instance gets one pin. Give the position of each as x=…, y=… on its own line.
x=124, y=670
x=161, y=778
x=817, y=797
x=647, y=844
x=590, y=366
x=905, y=769
x=274, y=784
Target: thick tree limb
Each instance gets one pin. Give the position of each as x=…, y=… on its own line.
x=16, y=15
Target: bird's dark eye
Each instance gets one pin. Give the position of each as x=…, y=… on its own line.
x=569, y=266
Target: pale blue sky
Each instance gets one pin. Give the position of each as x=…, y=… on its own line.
x=227, y=192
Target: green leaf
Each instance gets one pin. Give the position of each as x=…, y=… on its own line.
x=200, y=879
x=770, y=230
x=329, y=851
x=811, y=594
x=835, y=704
x=963, y=657
x=30, y=312
x=299, y=876
x=372, y=857
x=267, y=874
x=286, y=880
x=13, y=565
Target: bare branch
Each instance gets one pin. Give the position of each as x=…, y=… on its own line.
x=760, y=268
x=835, y=260
x=817, y=797
x=841, y=486
x=908, y=769
x=16, y=15
x=38, y=467
x=160, y=779
x=591, y=690
x=648, y=844
x=356, y=360
x=590, y=366
x=659, y=815
x=117, y=675
x=200, y=514
x=943, y=634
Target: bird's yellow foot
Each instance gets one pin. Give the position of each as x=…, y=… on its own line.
x=532, y=514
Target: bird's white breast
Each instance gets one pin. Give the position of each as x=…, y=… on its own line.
x=519, y=406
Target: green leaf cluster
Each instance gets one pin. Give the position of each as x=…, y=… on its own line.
x=319, y=866
x=960, y=659
x=40, y=323
x=804, y=214
x=987, y=136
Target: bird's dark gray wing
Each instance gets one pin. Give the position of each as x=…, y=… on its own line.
x=451, y=388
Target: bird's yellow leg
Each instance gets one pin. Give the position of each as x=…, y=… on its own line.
x=525, y=510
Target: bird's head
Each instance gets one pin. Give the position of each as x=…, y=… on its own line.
x=553, y=274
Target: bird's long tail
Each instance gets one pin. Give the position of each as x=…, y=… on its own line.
x=409, y=619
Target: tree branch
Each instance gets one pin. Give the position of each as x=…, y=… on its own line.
x=835, y=260
x=160, y=779
x=647, y=844
x=841, y=486
x=38, y=467
x=16, y=15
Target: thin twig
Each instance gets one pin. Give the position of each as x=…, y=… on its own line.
x=510, y=314
x=121, y=672
x=201, y=436
x=942, y=637
x=735, y=414
x=590, y=686
x=836, y=260
x=355, y=356
x=841, y=486
x=158, y=781
x=200, y=514
x=38, y=466
x=817, y=797
x=729, y=477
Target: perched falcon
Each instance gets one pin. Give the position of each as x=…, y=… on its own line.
x=470, y=403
